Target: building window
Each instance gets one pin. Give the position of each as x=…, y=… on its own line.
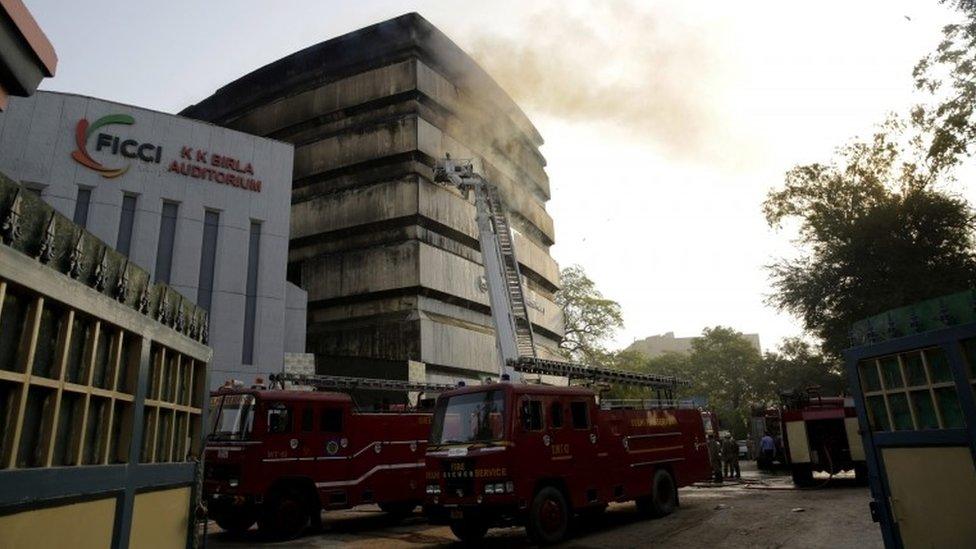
x=124, y=240
x=81, y=207
x=251, y=299
x=208, y=259
x=167, y=236
x=911, y=391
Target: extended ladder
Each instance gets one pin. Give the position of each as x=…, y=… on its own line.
x=594, y=374
x=348, y=383
x=508, y=308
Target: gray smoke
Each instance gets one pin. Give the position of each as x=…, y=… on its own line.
x=617, y=65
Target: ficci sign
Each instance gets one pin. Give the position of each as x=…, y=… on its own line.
x=194, y=163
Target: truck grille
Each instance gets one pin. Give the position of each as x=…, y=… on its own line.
x=458, y=478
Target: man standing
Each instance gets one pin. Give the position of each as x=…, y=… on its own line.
x=715, y=457
x=767, y=447
x=730, y=454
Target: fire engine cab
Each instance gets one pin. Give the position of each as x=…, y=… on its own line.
x=280, y=457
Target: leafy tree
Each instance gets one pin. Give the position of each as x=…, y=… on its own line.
x=670, y=364
x=723, y=366
x=797, y=364
x=948, y=77
x=874, y=233
x=590, y=319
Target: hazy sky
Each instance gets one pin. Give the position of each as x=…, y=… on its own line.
x=665, y=122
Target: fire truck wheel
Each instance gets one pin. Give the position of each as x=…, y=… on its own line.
x=664, y=495
x=469, y=531
x=548, y=516
x=235, y=523
x=861, y=473
x=399, y=509
x=285, y=515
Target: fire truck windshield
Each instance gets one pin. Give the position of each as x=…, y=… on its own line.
x=472, y=417
x=231, y=416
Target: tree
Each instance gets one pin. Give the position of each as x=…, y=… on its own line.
x=589, y=318
x=796, y=365
x=875, y=233
x=948, y=77
x=723, y=367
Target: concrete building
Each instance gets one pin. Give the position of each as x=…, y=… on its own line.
x=658, y=345
x=390, y=259
x=204, y=209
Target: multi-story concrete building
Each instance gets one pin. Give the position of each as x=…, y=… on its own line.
x=390, y=259
x=204, y=209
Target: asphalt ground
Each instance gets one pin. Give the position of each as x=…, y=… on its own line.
x=762, y=510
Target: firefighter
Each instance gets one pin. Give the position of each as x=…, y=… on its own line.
x=715, y=456
x=767, y=448
x=730, y=455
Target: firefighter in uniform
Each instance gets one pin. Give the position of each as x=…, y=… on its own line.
x=730, y=455
x=715, y=457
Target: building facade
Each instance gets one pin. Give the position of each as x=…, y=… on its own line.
x=390, y=259
x=204, y=209
x=658, y=345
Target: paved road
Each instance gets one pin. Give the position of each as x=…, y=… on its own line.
x=757, y=513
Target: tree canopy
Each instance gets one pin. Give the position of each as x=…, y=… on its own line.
x=590, y=319
x=733, y=377
x=875, y=232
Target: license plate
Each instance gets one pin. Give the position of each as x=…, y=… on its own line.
x=457, y=514
x=222, y=454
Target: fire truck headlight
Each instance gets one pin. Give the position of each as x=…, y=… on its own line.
x=510, y=487
x=433, y=489
x=232, y=483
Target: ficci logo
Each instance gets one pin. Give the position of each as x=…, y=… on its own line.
x=128, y=148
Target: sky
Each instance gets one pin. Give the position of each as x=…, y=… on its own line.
x=666, y=123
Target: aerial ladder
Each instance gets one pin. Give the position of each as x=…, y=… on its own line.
x=513, y=329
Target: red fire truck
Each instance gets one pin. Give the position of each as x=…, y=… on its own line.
x=533, y=455
x=821, y=434
x=280, y=457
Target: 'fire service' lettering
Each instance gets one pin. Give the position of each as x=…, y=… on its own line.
x=654, y=419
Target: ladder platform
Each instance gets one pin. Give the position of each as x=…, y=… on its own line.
x=573, y=370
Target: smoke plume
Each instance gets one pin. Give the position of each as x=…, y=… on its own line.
x=641, y=72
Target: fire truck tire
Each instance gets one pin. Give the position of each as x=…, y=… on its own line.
x=802, y=475
x=235, y=523
x=861, y=473
x=285, y=515
x=398, y=508
x=548, y=516
x=469, y=531
x=664, y=495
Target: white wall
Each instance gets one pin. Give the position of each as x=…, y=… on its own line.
x=37, y=138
